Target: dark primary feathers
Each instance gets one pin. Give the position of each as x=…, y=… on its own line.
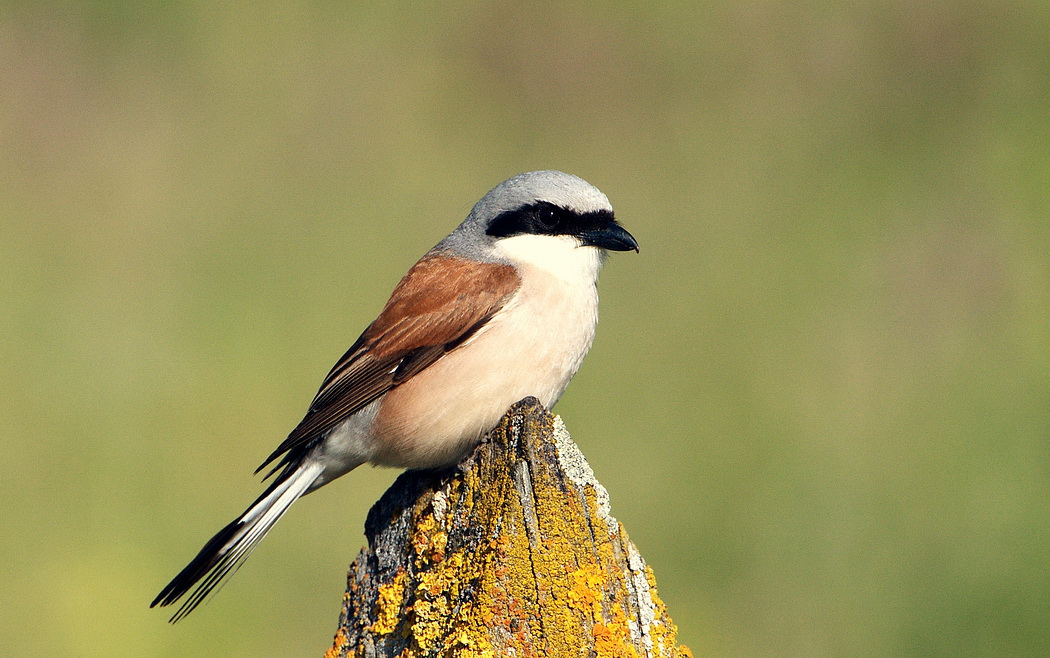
x=218, y=559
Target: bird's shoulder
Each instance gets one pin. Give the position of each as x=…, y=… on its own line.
x=439, y=298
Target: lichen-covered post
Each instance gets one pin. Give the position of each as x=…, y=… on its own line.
x=512, y=553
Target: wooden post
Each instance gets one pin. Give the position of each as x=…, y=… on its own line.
x=511, y=553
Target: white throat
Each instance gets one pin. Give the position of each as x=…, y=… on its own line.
x=561, y=256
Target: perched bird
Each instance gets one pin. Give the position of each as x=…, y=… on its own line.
x=503, y=308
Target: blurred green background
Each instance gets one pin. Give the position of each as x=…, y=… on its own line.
x=818, y=397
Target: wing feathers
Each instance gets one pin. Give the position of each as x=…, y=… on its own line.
x=437, y=306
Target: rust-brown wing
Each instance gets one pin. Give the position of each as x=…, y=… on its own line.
x=437, y=306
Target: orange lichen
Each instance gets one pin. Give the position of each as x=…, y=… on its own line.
x=339, y=645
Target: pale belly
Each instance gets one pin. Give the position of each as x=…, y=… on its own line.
x=533, y=347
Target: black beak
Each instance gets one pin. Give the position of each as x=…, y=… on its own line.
x=610, y=236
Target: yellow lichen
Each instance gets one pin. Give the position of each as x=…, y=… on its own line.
x=388, y=606
x=468, y=645
x=612, y=639
x=421, y=537
x=434, y=612
x=586, y=594
x=438, y=545
x=663, y=631
x=543, y=581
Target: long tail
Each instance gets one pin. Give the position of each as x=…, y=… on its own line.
x=224, y=553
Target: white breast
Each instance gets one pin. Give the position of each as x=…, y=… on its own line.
x=533, y=346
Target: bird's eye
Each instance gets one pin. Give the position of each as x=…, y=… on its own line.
x=547, y=217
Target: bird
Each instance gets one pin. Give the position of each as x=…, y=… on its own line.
x=504, y=307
